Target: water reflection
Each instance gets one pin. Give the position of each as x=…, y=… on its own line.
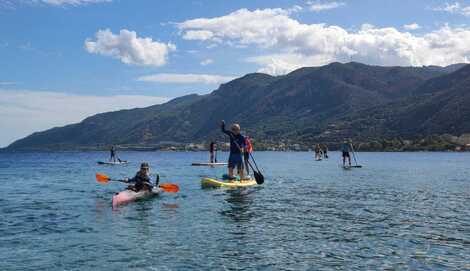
x=239, y=202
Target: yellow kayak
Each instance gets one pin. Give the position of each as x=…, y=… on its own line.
x=208, y=183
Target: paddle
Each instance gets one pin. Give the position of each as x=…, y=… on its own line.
x=167, y=187
x=354, y=156
x=258, y=175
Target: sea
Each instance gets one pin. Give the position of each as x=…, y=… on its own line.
x=400, y=211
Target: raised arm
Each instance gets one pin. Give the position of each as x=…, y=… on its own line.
x=222, y=127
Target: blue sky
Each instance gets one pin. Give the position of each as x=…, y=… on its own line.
x=63, y=60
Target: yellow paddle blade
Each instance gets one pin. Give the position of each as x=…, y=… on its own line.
x=101, y=178
x=169, y=187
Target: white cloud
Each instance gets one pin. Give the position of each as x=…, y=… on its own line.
x=318, y=6
x=129, y=48
x=6, y=83
x=413, y=26
x=198, y=35
x=25, y=112
x=292, y=43
x=206, y=62
x=189, y=78
x=72, y=2
x=455, y=8
x=279, y=64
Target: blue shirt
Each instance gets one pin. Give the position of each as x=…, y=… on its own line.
x=346, y=147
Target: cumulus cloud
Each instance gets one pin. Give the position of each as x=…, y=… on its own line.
x=188, y=78
x=318, y=6
x=129, y=48
x=455, y=8
x=293, y=44
x=206, y=62
x=25, y=112
x=413, y=26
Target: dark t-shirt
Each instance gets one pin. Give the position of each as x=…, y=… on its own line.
x=212, y=147
x=234, y=140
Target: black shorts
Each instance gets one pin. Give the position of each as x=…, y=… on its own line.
x=346, y=154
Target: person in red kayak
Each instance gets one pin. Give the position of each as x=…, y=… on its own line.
x=141, y=179
x=247, y=153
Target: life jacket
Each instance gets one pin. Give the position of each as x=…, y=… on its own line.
x=249, y=146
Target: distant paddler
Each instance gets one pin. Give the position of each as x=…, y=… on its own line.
x=318, y=152
x=112, y=157
x=346, y=148
x=325, y=151
x=212, y=152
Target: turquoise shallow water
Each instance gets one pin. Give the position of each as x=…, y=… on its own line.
x=401, y=211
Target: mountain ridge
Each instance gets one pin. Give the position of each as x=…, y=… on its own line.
x=311, y=104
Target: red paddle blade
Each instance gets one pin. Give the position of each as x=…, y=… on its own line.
x=169, y=187
x=101, y=178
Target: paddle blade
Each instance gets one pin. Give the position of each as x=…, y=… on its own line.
x=169, y=187
x=259, y=177
x=101, y=178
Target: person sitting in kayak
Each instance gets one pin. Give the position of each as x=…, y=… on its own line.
x=142, y=179
x=212, y=150
x=246, y=154
x=237, y=145
x=346, y=149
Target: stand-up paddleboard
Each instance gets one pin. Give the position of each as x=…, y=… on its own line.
x=208, y=164
x=351, y=167
x=213, y=183
x=112, y=163
x=128, y=196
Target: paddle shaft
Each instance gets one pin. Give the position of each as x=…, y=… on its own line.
x=354, y=155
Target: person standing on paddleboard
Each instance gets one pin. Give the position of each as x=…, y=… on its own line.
x=237, y=145
x=142, y=179
x=325, y=151
x=346, y=149
x=212, y=150
x=112, y=157
x=317, y=152
x=246, y=154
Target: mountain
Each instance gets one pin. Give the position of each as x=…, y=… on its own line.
x=310, y=104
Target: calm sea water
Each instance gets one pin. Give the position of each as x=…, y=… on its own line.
x=401, y=211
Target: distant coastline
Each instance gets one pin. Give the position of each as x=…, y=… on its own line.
x=442, y=143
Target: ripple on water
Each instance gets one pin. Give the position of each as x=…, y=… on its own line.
x=401, y=211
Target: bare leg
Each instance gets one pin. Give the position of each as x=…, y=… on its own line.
x=230, y=172
x=241, y=172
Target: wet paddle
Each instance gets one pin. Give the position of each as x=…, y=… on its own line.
x=167, y=187
x=354, y=156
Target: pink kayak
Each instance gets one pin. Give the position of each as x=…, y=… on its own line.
x=127, y=196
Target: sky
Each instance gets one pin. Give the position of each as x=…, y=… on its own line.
x=64, y=60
